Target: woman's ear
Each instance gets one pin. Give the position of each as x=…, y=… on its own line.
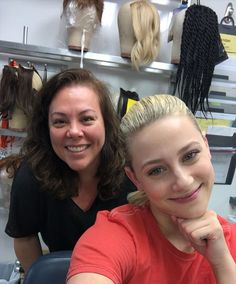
x=131, y=175
x=207, y=145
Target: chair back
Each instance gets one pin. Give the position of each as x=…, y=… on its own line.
x=49, y=268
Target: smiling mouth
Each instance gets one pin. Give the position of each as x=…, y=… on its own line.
x=77, y=149
x=188, y=197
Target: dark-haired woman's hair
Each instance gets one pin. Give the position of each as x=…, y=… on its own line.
x=54, y=175
x=199, y=54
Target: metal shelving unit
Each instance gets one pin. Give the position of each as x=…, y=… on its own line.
x=65, y=56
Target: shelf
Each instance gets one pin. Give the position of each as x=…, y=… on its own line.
x=61, y=55
x=10, y=132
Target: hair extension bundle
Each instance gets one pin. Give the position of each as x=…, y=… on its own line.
x=16, y=90
x=25, y=95
x=198, y=57
x=8, y=90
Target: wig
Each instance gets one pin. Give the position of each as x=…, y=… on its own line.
x=25, y=94
x=16, y=90
x=82, y=17
x=8, y=90
x=146, y=26
x=81, y=4
x=198, y=56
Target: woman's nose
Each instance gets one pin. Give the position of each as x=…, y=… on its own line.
x=182, y=179
x=75, y=130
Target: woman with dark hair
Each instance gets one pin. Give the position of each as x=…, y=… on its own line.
x=72, y=165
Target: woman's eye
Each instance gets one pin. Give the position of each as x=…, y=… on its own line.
x=156, y=171
x=88, y=119
x=59, y=122
x=190, y=156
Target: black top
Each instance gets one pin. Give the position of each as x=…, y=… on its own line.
x=60, y=222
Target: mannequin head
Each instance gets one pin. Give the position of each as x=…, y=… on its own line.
x=139, y=31
x=175, y=34
x=82, y=18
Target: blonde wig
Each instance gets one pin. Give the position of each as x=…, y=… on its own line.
x=142, y=114
x=146, y=26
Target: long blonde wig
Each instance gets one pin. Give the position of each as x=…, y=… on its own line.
x=146, y=26
x=142, y=114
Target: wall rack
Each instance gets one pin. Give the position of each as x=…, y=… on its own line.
x=11, y=132
x=48, y=54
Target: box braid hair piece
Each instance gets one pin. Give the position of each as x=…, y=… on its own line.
x=198, y=57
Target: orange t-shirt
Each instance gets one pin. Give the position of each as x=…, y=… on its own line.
x=127, y=246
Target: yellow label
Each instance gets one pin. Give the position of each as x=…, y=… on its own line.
x=204, y=123
x=229, y=42
x=130, y=103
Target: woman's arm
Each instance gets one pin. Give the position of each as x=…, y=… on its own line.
x=225, y=272
x=206, y=235
x=89, y=278
x=27, y=250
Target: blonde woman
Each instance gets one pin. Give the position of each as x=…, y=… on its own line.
x=167, y=234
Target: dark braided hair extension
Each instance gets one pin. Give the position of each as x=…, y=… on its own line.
x=199, y=54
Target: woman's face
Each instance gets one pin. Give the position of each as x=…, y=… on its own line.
x=76, y=128
x=172, y=164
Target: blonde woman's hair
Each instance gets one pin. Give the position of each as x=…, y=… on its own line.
x=146, y=26
x=143, y=113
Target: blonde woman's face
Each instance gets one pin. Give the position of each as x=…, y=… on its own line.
x=172, y=164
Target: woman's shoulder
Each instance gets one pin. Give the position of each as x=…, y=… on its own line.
x=129, y=215
x=24, y=176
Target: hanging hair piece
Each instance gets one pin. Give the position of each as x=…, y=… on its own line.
x=8, y=90
x=146, y=26
x=198, y=57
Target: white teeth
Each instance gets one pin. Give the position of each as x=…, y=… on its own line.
x=76, y=148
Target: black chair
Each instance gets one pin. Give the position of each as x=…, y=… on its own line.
x=49, y=268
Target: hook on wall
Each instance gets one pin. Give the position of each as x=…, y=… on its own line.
x=228, y=13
